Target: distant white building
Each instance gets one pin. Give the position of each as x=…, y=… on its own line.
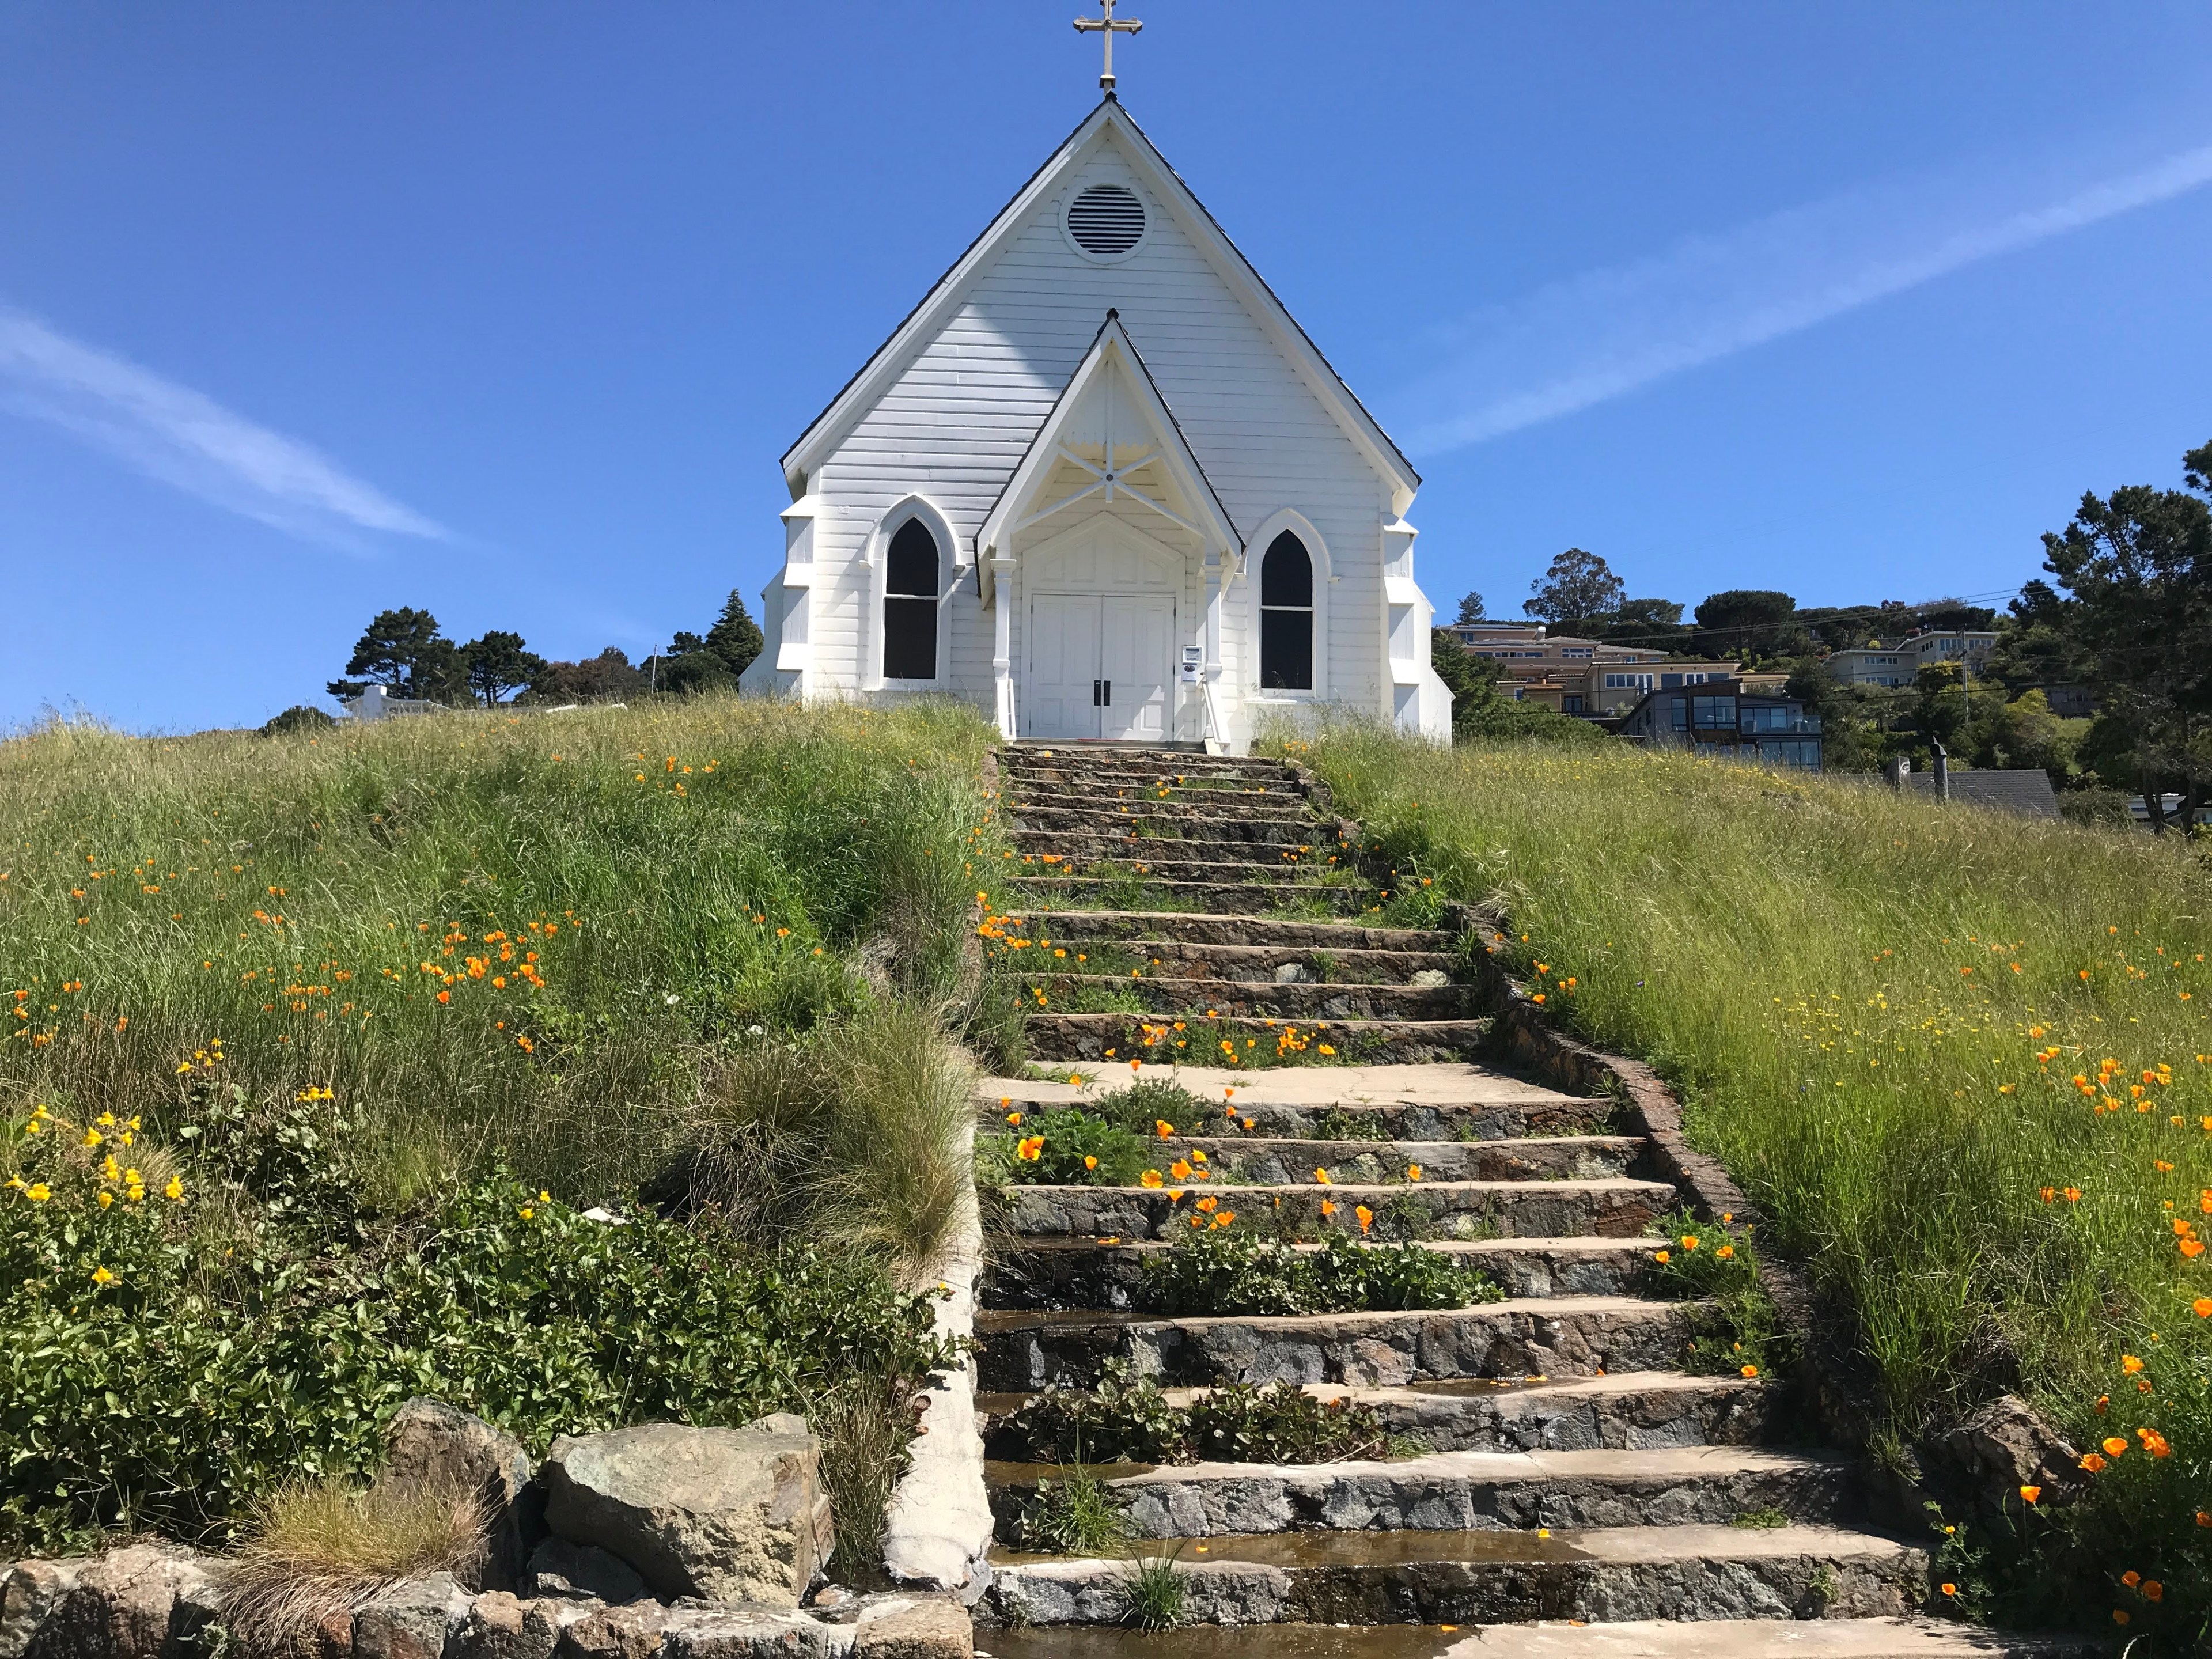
x=1897, y=662
x=377, y=703
x=1101, y=484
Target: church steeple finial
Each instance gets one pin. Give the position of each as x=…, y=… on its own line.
x=1107, y=26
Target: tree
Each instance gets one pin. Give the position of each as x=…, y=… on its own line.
x=736, y=638
x=2138, y=566
x=1849, y=717
x=1470, y=608
x=691, y=672
x=2027, y=733
x=496, y=664
x=2036, y=644
x=1751, y=622
x=1577, y=585
x=403, y=650
x=1647, y=623
x=607, y=677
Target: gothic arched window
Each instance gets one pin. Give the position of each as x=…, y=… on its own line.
x=910, y=581
x=1286, y=616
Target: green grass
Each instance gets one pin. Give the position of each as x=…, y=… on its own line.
x=1874, y=1007
x=394, y=1007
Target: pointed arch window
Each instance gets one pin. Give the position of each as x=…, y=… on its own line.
x=1286, y=616
x=910, y=589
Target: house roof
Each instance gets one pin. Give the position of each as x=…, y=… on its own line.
x=2027, y=791
x=928, y=317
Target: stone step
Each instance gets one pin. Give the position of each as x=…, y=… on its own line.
x=1166, y=802
x=1238, y=837
x=1155, y=993
x=1062, y=1274
x=1121, y=1036
x=1476, y=1491
x=1398, y=1094
x=1124, y=771
x=1257, y=1160
x=1255, y=964
x=1706, y=1569
x=1609, y=1206
x=1183, y=859
x=1629, y=1411
x=1553, y=1635
x=1039, y=891
x=1191, y=930
x=1562, y=1336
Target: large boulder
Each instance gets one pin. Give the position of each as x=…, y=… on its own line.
x=724, y=1515
x=143, y=1601
x=30, y=1591
x=930, y=1627
x=412, y=1619
x=431, y=1443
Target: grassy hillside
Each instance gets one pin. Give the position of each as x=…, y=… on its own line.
x=1962, y=1058
x=315, y=1049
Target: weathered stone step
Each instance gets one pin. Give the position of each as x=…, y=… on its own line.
x=1264, y=1161
x=1167, y=861
x=1119, y=1036
x=1631, y=1411
x=1192, y=930
x=1113, y=771
x=1687, y=1486
x=1040, y=891
x=1268, y=964
x=1696, y=1571
x=1239, y=837
x=1565, y=1336
x=1166, y=803
x=1296, y=857
x=1059, y=1274
x=1611, y=1206
x=1786, y=1637
x=1445, y=1087
x=1156, y=993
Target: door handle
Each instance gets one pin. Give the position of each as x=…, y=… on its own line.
x=1110, y=694
x=1094, y=693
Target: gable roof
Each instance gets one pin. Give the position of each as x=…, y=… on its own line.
x=929, y=317
x=1111, y=345
x=2026, y=790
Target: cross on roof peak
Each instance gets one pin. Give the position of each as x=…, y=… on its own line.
x=1107, y=27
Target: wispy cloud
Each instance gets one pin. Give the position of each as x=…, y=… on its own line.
x=1595, y=336
x=184, y=437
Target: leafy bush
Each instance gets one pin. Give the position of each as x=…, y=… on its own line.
x=1224, y=1272
x=180, y=1335
x=1127, y=1417
x=1066, y=1147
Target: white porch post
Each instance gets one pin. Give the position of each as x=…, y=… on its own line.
x=1211, y=713
x=1002, y=651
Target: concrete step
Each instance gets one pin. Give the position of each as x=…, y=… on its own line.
x=1621, y=1411
x=1261, y=964
x=1695, y=1571
x=1564, y=1336
x=1153, y=992
x=1255, y=1160
x=1475, y=1492
x=1611, y=1206
x=1062, y=1274
x=1156, y=892
x=1120, y=1037
x=1191, y=930
x=1552, y=1635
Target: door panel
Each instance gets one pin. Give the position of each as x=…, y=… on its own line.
x=1063, y=667
x=1136, y=632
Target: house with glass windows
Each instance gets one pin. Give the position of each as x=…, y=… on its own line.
x=1100, y=483
x=1723, y=719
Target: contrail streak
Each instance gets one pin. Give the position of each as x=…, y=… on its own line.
x=1594, y=338
x=187, y=440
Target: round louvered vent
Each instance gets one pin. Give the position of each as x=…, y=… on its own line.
x=1106, y=220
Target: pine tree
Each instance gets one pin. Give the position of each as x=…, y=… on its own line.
x=735, y=637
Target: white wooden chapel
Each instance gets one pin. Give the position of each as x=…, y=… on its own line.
x=1101, y=484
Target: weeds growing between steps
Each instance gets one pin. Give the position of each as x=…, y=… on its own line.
x=318, y=1050
x=1962, y=1060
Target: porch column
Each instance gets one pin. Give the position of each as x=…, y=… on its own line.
x=1002, y=652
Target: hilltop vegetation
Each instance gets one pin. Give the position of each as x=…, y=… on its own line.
x=319, y=1046
x=1960, y=1058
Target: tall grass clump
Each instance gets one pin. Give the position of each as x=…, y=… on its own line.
x=1960, y=1057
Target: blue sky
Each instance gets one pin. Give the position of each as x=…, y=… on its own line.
x=507, y=311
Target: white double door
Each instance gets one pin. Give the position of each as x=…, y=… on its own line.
x=1100, y=665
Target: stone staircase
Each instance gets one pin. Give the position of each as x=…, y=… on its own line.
x=1574, y=1491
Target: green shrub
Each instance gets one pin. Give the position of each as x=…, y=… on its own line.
x=1226, y=1272
x=1152, y=1587
x=1066, y=1147
x=1718, y=1266
x=1072, y=1514
x=175, y=1347
x=1126, y=1418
